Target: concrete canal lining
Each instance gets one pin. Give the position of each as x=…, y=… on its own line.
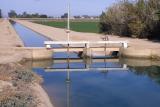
x=144, y=53
x=35, y=53
x=39, y=53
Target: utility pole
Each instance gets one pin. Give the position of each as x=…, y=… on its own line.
x=68, y=21
x=0, y=13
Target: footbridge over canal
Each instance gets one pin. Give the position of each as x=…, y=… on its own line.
x=86, y=47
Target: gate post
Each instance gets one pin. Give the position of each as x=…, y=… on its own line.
x=87, y=50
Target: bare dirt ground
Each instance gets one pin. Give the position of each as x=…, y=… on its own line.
x=60, y=34
x=8, y=35
x=8, y=40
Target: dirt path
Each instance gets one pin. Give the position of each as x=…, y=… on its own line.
x=57, y=33
x=60, y=34
x=9, y=39
x=8, y=36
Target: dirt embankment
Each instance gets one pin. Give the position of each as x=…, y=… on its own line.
x=9, y=37
x=18, y=85
x=59, y=34
x=8, y=40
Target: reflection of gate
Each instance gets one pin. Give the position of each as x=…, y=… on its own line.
x=87, y=65
x=85, y=69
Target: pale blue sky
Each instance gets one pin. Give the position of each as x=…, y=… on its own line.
x=56, y=7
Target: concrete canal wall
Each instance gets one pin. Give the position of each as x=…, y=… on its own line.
x=42, y=53
x=34, y=53
x=145, y=53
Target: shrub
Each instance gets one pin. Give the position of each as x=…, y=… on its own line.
x=136, y=18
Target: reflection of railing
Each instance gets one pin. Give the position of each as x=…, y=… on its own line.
x=85, y=69
x=93, y=60
x=86, y=65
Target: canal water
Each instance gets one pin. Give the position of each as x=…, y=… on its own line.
x=29, y=37
x=34, y=39
x=97, y=82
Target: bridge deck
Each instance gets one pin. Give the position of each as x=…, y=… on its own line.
x=78, y=49
x=86, y=47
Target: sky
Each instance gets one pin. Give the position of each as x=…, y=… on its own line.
x=56, y=7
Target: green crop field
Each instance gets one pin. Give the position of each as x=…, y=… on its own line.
x=79, y=26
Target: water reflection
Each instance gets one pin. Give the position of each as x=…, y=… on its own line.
x=153, y=72
x=134, y=87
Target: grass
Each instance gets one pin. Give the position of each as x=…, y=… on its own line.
x=79, y=26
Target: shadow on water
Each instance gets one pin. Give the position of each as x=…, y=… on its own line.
x=153, y=72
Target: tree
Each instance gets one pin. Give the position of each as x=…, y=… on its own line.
x=43, y=16
x=77, y=17
x=25, y=15
x=65, y=15
x=138, y=18
x=158, y=13
x=36, y=15
x=104, y=24
x=12, y=14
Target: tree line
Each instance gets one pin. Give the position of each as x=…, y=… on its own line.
x=132, y=18
x=13, y=14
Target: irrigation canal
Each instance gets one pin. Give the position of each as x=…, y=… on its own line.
x=136, y=86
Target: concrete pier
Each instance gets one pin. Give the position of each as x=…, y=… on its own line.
x=35, y=53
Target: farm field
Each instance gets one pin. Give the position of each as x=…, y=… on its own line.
x=79, y=26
